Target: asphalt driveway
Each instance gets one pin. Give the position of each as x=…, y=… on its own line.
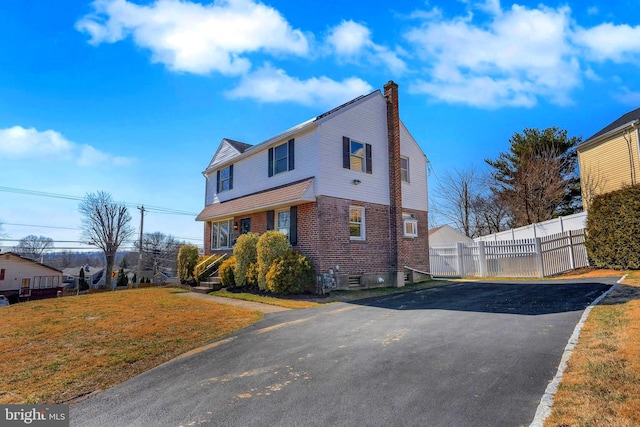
x=469, y=354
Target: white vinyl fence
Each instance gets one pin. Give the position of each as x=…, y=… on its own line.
x=561, y=224
x=536, y=257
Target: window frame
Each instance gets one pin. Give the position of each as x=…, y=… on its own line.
x=216, y=227
x=362, y=224
x=347, y=155
x=409, y=221
x=276, y=224
x=287, y=160
x=404, y=172
x=222, y=179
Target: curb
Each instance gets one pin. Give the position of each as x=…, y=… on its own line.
x=544, y=408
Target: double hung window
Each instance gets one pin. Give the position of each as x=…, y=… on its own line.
x=356, y=223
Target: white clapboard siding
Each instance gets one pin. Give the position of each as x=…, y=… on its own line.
x=414, y=192
x=364, y=122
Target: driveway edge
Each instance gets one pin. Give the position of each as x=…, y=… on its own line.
x=544, y=408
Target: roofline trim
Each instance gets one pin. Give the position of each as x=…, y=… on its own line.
x=632, y=124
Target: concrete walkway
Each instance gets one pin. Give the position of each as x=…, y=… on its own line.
x=255, y=306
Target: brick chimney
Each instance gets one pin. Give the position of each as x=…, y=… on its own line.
x=395, y=182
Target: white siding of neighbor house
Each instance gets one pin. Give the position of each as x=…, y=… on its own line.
x=414, y=193
x=365, y=122
x=250, y=174
x=17, y=269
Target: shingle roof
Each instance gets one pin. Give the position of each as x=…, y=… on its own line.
x=621, y=121
x=32, y=261
x=284, y=194
x=240, y=146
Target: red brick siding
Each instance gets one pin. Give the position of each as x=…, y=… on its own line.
x=334, y=246
x=414, y=252
x=395, y=181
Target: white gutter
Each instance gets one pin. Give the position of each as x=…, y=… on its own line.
x=635, y=125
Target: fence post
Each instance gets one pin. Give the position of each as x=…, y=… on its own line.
x=482, y=259
x=572, y=260
x=539, y=257
x=460, y=258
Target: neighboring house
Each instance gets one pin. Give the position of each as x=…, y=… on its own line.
x=22, y=279
x=609, y=159
x=447, y=235
x=93, y=276
x=348, y=188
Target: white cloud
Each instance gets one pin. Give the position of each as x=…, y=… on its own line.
x=269, y=84
x=514, y=58
x=618, y=43
x=627, y=96
x=352, y=41
x=17, y=142
x=193, y=37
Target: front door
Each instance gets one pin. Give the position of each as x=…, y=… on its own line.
x=245, y=225
x=25, y=287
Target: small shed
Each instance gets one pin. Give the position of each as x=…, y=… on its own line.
x=447, y=235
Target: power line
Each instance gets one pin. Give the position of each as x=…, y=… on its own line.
x=40, y=226
x=150, y=208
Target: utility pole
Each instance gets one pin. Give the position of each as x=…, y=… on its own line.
x=138, y=276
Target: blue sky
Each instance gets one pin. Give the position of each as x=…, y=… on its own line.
x=133, y=96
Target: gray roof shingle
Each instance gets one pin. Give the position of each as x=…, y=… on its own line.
x=622, y=120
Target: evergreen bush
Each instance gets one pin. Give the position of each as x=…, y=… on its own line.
x=187, y=260
x=271, y=246
x=613, y=229
x=246, y=253
x=226, y=272
x=290, y=274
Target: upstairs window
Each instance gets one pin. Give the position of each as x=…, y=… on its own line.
x=356, y=155
x=356, y=223
x=404, y=169
x=282, y=158
x=224, y=179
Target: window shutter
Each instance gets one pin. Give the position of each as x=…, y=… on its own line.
x=346, y=153
x=230, y=177
x=2, y=274
x=293, y=225
x=270, y=161
x=218, y=181
x=369, y=166
x=291, y=155
x=270, y=217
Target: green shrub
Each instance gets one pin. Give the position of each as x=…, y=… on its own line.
x=290, y=274
x=613, y=229
x=271, y=245
x=246, y=252
x=187, y=260
x=226, y=272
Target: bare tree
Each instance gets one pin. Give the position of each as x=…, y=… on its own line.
x=105, y=224
x=592, y=183
x=159, y=250
x=33, y=247
x=458, y=192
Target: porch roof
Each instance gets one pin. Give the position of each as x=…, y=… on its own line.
x=290, y=194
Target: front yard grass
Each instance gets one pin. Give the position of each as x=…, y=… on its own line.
x=601, y=385
x=56, y=350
